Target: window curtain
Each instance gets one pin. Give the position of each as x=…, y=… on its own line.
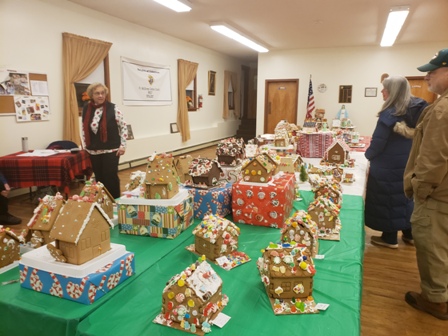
x=81, y=56
x=231, y=77
x=186, y=72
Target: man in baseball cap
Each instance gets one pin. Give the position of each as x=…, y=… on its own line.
x=426, y=181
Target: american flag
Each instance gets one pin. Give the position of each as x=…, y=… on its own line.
x=310, y=105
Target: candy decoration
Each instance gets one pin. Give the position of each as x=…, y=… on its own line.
x=35, y=282
x=75, y=290
x=56, y=288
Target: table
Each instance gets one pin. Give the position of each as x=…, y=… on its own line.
x=130, y=308
x=56, y=170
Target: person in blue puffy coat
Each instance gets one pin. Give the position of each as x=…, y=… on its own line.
x=387, y=209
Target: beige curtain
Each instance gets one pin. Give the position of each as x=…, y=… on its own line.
x=231, y=77
x=186, y=72
x=80, y=57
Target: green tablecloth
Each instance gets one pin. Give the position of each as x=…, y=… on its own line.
x=130, y=308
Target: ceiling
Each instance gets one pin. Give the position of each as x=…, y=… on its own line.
x=283, y=24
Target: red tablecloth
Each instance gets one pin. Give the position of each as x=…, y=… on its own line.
x=57, y=170
x=364, y=141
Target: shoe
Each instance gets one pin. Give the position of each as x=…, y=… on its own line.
x=409, y=241
x=380, y=242
x=9, y=219
x=436, y=309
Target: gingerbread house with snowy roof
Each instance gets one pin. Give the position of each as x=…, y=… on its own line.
x=161, y=181
x=182, y=164
x=81, y=233
x=260, y=169
x=281, y=138
x=230, y=151
x=337, y=153
x=9, y=246
x=300, y=229
x=287, y=274
x=215, y=237
x=44, y=216
x=192, y=299
x=328, y=189
x=326, y=215
x=289, y=164
x=97, y=192
x=205, y=172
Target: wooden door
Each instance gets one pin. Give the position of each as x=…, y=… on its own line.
x=419, y=88
x=281, y=101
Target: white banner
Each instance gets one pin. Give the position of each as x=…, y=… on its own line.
x=145, y=83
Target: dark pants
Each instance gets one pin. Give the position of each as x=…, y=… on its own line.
x=391, y=237
x=3, y=205
x=105, y=168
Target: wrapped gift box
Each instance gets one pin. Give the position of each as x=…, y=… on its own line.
x=165, y=218
x=264, y=204
x=215, y=201
x=84, y=283
x=314, y=145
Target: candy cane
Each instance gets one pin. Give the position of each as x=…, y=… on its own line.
x=129, y=270
x=23, y=274
x=104, y=269
x=74, y=290
x=115, y=278
x=56, y=288
x=35, y=282
x=92, y=289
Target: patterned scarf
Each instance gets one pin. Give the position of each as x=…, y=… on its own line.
x=103, y=122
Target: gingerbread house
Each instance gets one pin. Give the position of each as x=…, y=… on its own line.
x=260, y=169
x=81, y=232
x=182, y=164
x=137, y=179
x=329, y=190
x=281, y=138
x=300, y=229
x=230, y=151
x=97, y=192
x=215, y=237
x=161, y=181
x=192, y=299
x=9, y=246
x=205, y=171
x=289, y=164
x=337, y=153
x=287, y=274
x=43, y=219
x=326, y=215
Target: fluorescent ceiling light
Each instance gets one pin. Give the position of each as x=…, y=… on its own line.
x=175, y=5
x=225, y=30
x=395, y=21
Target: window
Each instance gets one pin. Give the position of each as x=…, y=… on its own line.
x=191, y=96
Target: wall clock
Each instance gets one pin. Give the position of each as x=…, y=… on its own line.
x=322, y=88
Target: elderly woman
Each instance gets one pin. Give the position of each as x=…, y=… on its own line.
x=104, y=134
x=386, y=207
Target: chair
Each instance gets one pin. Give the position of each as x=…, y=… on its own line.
x=62, y=144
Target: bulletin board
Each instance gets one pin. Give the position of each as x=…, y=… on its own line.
x=24, y=94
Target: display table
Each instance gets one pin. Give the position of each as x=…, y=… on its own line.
x=130, y=308
x=41, y=171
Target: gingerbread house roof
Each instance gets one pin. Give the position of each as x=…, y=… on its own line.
x=322, y=202
x=264, y=160
x=9, y=234
x=203, y=166
x=212, y=227
x=161, y=170
x=74, y=218
x=46, y=212
x=300, y=220
x=95, y=190
x=230, y=147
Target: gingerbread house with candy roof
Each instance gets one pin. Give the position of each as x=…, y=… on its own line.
x=162, y=181
x=260, y=169
x=192, y=299
x=230, y=151
x=182, y=164
x=215, y=237
x=81, y=232
x=337, y=153
x=289, y=164
x=326, y=215
x=44, y=216
x=300, y=229
x=9, y=246
x=287, y=273
x=205, y=172
x=97, y=192
x=328, y=189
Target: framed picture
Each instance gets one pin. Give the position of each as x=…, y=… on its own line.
x=174, y=128
x=370, y=92
x=211, y=83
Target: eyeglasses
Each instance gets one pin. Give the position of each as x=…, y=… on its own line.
x=102, y=93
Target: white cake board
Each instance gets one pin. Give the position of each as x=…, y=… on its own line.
x=41, y=259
